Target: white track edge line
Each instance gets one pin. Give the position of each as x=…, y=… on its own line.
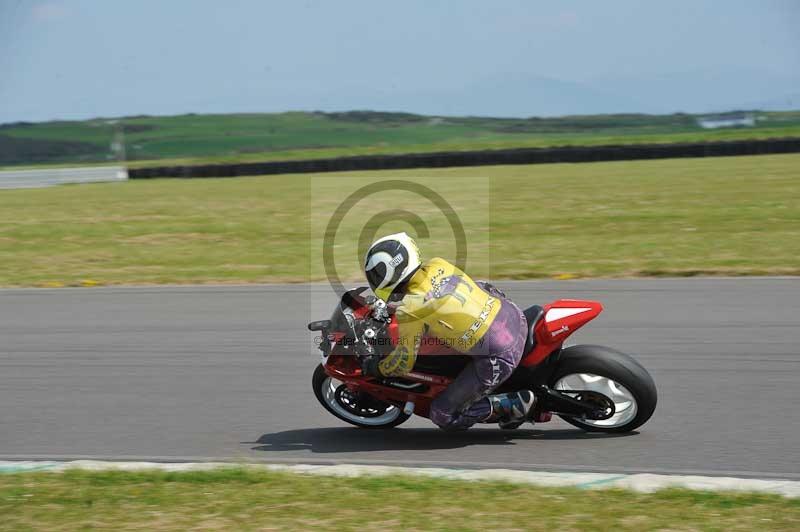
x=639, y=482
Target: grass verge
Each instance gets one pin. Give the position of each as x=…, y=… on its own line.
x=197, y=139
x=243, y=499
x=724, y=216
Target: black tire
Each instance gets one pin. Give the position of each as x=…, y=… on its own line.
x=319, y=382
x=622, y=368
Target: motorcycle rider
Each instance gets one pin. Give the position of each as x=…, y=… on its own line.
x=437, y=300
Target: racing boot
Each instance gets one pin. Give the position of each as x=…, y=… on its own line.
x=511, y=410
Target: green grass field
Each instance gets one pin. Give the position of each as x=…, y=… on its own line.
x=240, y=499
x=718, y=216
x=192, y=139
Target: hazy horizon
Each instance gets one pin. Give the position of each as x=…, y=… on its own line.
x=288, y=111
x=82, y=59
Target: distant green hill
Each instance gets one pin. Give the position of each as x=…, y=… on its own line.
x=194, y=138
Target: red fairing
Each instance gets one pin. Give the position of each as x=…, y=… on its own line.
x=394, y=334
x=561, y=319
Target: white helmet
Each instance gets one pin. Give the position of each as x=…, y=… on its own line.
x=390, y=261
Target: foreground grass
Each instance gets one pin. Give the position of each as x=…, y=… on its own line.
x=729, y=216
x=247, y=499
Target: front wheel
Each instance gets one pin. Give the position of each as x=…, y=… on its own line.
x=613, y=374
x=359, y=409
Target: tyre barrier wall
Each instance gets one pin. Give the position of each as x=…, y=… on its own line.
x=564, y=154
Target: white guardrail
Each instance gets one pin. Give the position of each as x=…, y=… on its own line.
x=47, y=177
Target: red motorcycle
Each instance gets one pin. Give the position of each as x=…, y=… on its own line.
x=591, y=387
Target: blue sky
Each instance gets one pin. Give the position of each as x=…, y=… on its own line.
x=69, y=59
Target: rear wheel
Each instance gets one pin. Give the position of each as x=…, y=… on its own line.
x=359, y=409
x=613, y=374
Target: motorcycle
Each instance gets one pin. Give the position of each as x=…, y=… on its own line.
x=592, y=387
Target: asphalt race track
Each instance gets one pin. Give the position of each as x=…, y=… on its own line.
x=187, y=373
